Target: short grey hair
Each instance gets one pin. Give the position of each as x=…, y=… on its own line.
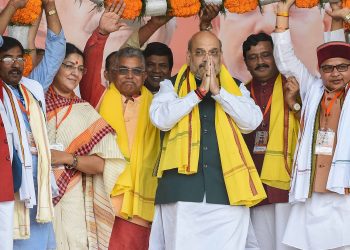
x=129, y=52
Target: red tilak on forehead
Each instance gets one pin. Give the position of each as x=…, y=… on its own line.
x=76, y=62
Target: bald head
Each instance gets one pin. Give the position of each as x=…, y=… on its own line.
x=206, y=36
x=201, y=46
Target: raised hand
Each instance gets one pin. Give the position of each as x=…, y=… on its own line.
x=110, y=18
x=209, y=12
x=291, y=91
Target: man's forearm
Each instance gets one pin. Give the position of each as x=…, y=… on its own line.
x=52, y=18
x=6, y=16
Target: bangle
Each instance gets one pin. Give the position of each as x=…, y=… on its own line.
x=347, y=18
x=284, y=14
x=74, y=164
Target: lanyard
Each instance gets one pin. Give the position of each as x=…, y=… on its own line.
x=327, y=109
x=27, y=101
x=268, y=106
x=58, y=124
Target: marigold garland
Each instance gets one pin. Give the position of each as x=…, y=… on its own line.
x=306, y=3
x=132, y=8
x=27, y=15
x=184, y=8
x=28, y=64
x=346, y=3
x=240, y=6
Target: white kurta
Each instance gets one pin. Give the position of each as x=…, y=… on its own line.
x=190, y=225
x=322, y=221
x=269, y=223
x=199, y=226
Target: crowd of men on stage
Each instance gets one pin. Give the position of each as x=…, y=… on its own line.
x=156, y=159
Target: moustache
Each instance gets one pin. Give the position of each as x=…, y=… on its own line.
x=261, y=66
x=15, y=71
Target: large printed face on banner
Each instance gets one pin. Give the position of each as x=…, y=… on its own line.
x=306, y=26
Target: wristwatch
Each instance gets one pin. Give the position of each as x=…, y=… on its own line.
x=296, y=107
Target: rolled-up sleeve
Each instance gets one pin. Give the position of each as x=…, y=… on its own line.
x=167, y=108
x=243, y=110
x=54, y=55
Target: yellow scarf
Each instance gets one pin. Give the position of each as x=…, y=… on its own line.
x=181, y=146
x=45, y=208
x=136, y=182
x=277, y=166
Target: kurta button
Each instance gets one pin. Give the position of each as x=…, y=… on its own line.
x=205, y=131
x=205, y=148
x=205, y=165
x=8, y=158
x=205, y=116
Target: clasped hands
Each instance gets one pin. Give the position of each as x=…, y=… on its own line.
x=209, y=79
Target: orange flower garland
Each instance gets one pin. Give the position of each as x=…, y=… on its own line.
x=184, y=8
x=346, y=3
x=240, y=6
x=306, y=3
x=28, y=64
x=132, y=8
x=27, y=15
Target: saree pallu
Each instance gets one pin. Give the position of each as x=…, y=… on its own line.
x=83, y=132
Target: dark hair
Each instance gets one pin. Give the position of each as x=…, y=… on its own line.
x=159, y=49
x=72, y=49
x=109, y=58
x=10, y=43
x=253, y=40
x=129, y=52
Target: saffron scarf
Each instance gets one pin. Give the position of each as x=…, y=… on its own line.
x=181, y=145
x=136, y=183
x=84, y=132
x=283, y=135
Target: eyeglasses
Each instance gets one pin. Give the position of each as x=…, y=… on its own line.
x=340, y=68
x=72, y=68
x=126, y=70
x=263, y=55
x=203, y=53
x=11, y=60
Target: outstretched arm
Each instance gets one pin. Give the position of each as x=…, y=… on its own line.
x=8, y=12
x=91, y=88
x=55, y=47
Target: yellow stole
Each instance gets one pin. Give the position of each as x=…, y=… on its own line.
x=181, y=145
x=136, y=182
x=283, y=135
